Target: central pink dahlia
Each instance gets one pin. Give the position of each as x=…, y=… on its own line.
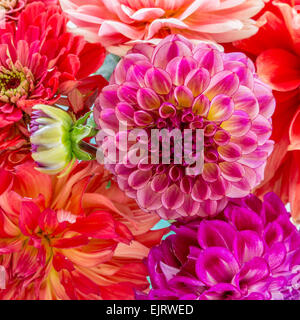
x=178, y=85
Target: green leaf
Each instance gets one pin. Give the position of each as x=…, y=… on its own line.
x=108, y=66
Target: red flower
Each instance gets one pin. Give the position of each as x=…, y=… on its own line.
x=40, y=61
x=14, y=145
x=13, y=8
x=75, y=237
x=276, y=49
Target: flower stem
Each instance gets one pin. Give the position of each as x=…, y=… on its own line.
x=92, y=150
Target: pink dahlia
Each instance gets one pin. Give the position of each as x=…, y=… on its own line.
x=118, y=24
x=73, y=237
x=178, y=85
x=40, y=60
x=252, y=254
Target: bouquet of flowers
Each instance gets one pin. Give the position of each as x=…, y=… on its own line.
x=149, y=150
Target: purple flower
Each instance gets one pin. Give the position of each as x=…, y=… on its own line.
x=252, y=252
x=178, y=85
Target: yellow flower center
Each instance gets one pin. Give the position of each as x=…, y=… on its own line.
x=15, y=83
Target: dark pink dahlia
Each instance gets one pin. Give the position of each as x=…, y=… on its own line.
x=178, y=85
x=252, y=254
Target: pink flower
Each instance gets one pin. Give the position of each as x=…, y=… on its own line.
x=117, y=23
x=180, y=85
x=251, y=255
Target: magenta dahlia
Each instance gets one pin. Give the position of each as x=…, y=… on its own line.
x=178, y=85
x=252, y=254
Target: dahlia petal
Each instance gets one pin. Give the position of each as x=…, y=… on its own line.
x=221, y=108
x=219, y=188
x=127, y=92
x=179, y=67
x=147, y=13
x=143, y=118
x=230, y=152
x=211, y=172
x=148, y=99
x=99, y=225
x=243, y=72
x=108, y=116
x=189, y=207
x=273, y=233
x=248, y=245
x=210, y=59
x=172, y=198
x=244, y=186
x=165, y=52
x=276, y=255
x=279, y=68
x=244, y=219
x=265, y=99
x=28, y=220
x=224, y=82
x=215, y=233
x=186, y=184
x=125, y=112
x=262, y=128
x=232, y=171
x=273, y=207
x=222, y=291
x=252, y=272
x=201, y=106
x=238, y=125
x=167, y=110
x=159, y=183
x=247, y=142
x=136, y=73
x=208, y=208
x=6, y=179
x=221, y=137
x=216, y=265
x=159, y=80
x=245, y=100
x=197, y=81
x=149, y=199
x=200, y=191
x=138, y=179
x=121, y=70
x=183, y=96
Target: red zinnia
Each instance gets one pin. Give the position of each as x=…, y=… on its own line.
x=40, y=61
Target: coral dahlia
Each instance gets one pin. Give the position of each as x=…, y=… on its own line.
x=118, y=24
x=251, y=255
x=178, y=85
x=71, y=237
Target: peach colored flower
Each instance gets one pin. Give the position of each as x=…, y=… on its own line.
x=74, y=237
x=117, y=24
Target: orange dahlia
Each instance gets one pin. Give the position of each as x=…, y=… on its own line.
x=74, y=237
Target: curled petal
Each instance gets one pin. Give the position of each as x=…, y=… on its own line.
x=179, y=68
x=159, y=80
x=221, y=108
